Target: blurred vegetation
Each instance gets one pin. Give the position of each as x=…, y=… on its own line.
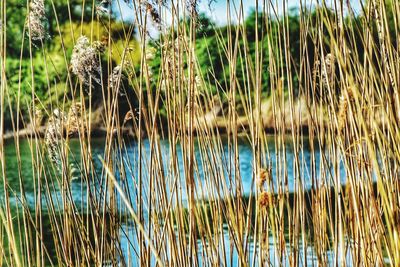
x=50, y=64
x=49, y=60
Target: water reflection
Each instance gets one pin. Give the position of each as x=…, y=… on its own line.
x=222, y=169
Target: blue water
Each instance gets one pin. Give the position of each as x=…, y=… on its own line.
x=216, y=169
x=209, y=174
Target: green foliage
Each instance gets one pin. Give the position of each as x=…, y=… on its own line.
x=15, y=27
x=49, y=61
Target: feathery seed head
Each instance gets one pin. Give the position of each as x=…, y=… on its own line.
x=53, y=137
x=99, y=46
x=74, y=118
x=38, y=116
x=36, y=20
x=150, y=54
x=155, y=16
x=85, y=61
x=116, y=78
x=197, y=81
x=163, y=85
x=328, y=71
x=57, y=113
x=102, y=11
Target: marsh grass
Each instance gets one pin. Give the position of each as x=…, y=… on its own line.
x=351, y=112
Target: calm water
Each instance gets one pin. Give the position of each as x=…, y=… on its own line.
x=129, y=156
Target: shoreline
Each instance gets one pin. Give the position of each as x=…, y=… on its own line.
x=214, y=118
x=128, y=131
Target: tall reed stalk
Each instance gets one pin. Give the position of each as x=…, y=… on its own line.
x=323, y=130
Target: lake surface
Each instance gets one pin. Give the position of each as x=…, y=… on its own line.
x=129, y=157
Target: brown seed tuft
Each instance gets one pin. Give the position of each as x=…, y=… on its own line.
x=129, y=116
x=265, y=176
x=265, y=199
x=344, y=107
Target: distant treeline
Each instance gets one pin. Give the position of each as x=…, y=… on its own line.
x=42, y=68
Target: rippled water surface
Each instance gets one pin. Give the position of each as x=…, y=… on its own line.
x=129, y=156
x=22, y=167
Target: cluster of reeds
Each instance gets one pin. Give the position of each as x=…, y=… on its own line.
x=156, y=209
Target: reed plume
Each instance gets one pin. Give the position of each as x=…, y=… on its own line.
x=54, y=137
x=85, y=62
x=345, y=100
x=230, y=157
x=328, y=71
x=74, y=119
x=36, y=21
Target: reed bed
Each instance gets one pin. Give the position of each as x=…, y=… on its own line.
x=180, y=200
